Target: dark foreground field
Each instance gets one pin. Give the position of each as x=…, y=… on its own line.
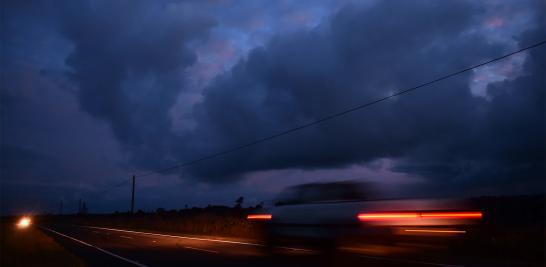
x=31, y=247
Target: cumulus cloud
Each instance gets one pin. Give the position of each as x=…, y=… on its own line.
x=503, y=150
x=443, y=133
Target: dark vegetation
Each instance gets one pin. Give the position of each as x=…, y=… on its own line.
x=221, y=221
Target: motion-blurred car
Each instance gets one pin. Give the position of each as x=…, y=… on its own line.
x=327, y=214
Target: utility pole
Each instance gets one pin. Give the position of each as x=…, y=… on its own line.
x=133, y=197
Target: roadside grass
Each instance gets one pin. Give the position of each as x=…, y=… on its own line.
x=31, y=247
x=209, y=224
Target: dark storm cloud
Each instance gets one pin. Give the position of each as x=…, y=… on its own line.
x=128, y=61
x=312, y=73
x=505, y=149
x=442, y=132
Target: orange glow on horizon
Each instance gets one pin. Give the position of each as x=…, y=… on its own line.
x=259, y=217
x=24, y=222
x=417, y=215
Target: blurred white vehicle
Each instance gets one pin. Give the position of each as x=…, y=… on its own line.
x=327, y=213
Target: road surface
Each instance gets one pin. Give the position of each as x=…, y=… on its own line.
x=118, y=247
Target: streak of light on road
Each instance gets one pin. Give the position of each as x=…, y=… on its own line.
x=95, y=247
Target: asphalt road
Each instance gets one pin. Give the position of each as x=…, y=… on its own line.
x=117, y=247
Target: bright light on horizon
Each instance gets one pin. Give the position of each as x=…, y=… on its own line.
x=24, y=222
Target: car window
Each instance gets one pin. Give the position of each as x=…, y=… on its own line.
x=321, y=192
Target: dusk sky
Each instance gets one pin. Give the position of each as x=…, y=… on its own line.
x=93, y=92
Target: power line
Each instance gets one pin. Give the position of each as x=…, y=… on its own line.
x=340, y=113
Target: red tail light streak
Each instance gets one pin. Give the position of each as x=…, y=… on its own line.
x=262, y=217
x=383, y=216
x=452, y=215
x=434, y=231
x=387, y=216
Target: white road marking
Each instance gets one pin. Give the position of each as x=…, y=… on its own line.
x=99, y=249
x=200, y=249
x=195, y=238
x=128, y=237
x=410, y=261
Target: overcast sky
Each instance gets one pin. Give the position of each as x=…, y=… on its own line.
x=95, y=91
